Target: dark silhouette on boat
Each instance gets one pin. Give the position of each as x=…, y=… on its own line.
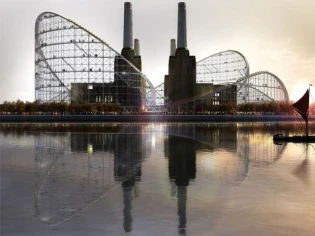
x=302, y=107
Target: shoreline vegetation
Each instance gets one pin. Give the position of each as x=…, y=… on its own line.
x=148, y=118
x=20, y=111
x=62, y=108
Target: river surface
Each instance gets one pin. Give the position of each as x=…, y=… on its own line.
x=155, y=179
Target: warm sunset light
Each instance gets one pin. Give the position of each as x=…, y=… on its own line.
x=157, y=117
x=299, y=91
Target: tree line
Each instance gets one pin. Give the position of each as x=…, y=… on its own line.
x=60, y=108
x=264, y=108
x=57, y=108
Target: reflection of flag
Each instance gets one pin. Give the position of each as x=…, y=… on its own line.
x=302, y=172
x=301, y=106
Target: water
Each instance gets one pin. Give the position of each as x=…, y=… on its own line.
x=155, y=179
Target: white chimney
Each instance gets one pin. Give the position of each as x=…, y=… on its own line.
x=137, y=47
x=173, y=47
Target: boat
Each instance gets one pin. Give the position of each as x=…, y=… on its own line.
x=296, y=138
x=301, y=107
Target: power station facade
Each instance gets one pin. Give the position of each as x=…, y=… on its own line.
x=74, y=65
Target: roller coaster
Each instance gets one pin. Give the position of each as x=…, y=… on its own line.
x=229, y=68
x=68, y=55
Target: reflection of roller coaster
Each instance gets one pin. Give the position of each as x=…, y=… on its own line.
x=185, y=140
x=76, y=166
x=234, y=138
x=76, y=170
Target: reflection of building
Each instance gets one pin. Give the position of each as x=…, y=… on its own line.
x=254, y=139
x=101, y=142
x=75, y=170
x=71, y=178
x=182, y=168
x=182, y=160
x=212, y=135
x=248, y=141
x=76, y=167
x=129, y=153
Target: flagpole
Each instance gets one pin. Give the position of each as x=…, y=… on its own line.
x=309, y=89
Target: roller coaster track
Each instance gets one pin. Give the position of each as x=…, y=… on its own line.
x=150, y=87
x=243, y=79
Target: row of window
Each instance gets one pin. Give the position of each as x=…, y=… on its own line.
x=106, y=99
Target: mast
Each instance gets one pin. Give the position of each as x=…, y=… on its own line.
x=309, y=90
x=306, y=127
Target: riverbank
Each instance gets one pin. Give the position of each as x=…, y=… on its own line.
x=147, y=118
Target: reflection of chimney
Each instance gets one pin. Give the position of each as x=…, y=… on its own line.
x=173, y=47
x=136, y=190
x=137, y=47
x=181, y=27
x=127, y=208
x=173, y=188
x=181, y=208
x=128, y=36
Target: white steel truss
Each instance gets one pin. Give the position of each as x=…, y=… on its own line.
x=68, y=56
x=227, y=69
x=71, y=60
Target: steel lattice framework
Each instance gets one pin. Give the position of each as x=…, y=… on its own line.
x=70, y=60
x=260, y=87
x=222, y=68
x=68, y=56
x=227, y=69
x=159, y=94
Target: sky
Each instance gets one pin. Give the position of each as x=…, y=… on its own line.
x=274, y=35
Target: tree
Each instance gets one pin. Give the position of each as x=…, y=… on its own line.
x=230, y=107
x=19, y=106
x=30, y=107
x=63, y=107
